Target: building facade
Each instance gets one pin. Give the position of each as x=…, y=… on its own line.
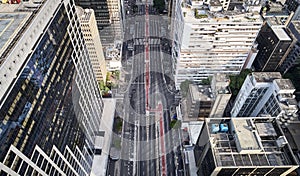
x=108, y=17
x=294, y=7
x=293, y=57
x=50, y=104
x=176, y=31
x=199, y=101
x=243, y=146
x=221, y=93
x=215, y=41
x=92, y=39
x=266, y=93
x=101, y=11
x=273, y=45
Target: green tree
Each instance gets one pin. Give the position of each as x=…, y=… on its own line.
x=159, y=5
x=101, y=85
x=236, y=81
x=176, y=124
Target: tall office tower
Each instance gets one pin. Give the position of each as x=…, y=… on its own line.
x=293, y=57
x=221, y=93
x=50, y=105
x=100, y=8
x=215, y=41
x=266, y=93
x=273, y=45
x=115, y=11
x=176, y=31
x=243, y=146
x=92, y=39
x=108, y=18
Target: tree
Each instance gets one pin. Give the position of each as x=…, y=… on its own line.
x=206, y=81
x=159, y=5
x=236, y=81
x=101, y=85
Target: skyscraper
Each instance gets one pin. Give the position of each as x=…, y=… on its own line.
x=50, y=105
x=266, y=93
x=215, y=41
x=92, y=39
x=273, y=44
x=176, y=31
x=294, y=55
x=108, y=17
x=100, y=8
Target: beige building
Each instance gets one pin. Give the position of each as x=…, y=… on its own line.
x=93, y=42
x=114, y=9
x=199, y=102
x=221, y=92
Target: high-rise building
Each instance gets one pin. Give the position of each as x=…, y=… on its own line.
x=108, y=17
x=50, y=104
x=243, y=146
x=215, y=41
x=100, y=8
x=273, y=45
x=115, y=12
x=176, y=31
x=92, y=39
x=266, y=93
x=204, y=101
x=293, y=57
x=294, y=7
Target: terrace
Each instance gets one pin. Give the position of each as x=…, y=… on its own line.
x=249, y=142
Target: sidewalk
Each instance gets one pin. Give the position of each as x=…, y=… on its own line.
x=103, y=140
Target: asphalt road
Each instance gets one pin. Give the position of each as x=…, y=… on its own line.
x=142, y=143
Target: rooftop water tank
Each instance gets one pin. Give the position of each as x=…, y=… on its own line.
x=223, y=127
x=215, y=128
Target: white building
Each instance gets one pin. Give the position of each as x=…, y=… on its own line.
x=266, y=93
x=215, y=42
x=177, y=24
x=92, y=39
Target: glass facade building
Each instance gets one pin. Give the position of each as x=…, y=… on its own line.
x=50, y=114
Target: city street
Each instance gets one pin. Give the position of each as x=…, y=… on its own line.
x=148, y=143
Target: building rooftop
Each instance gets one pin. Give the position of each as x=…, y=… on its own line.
x=266, y=76
x=103, y=141
x=284, y=84
x=191, y=131
x=281, y=34
x=245, y=138
x=220, y=84
x=276, y=20
x=84, y=14
x=257, y=141
x=238, y=15
x=201, y=92
x=11, y=22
